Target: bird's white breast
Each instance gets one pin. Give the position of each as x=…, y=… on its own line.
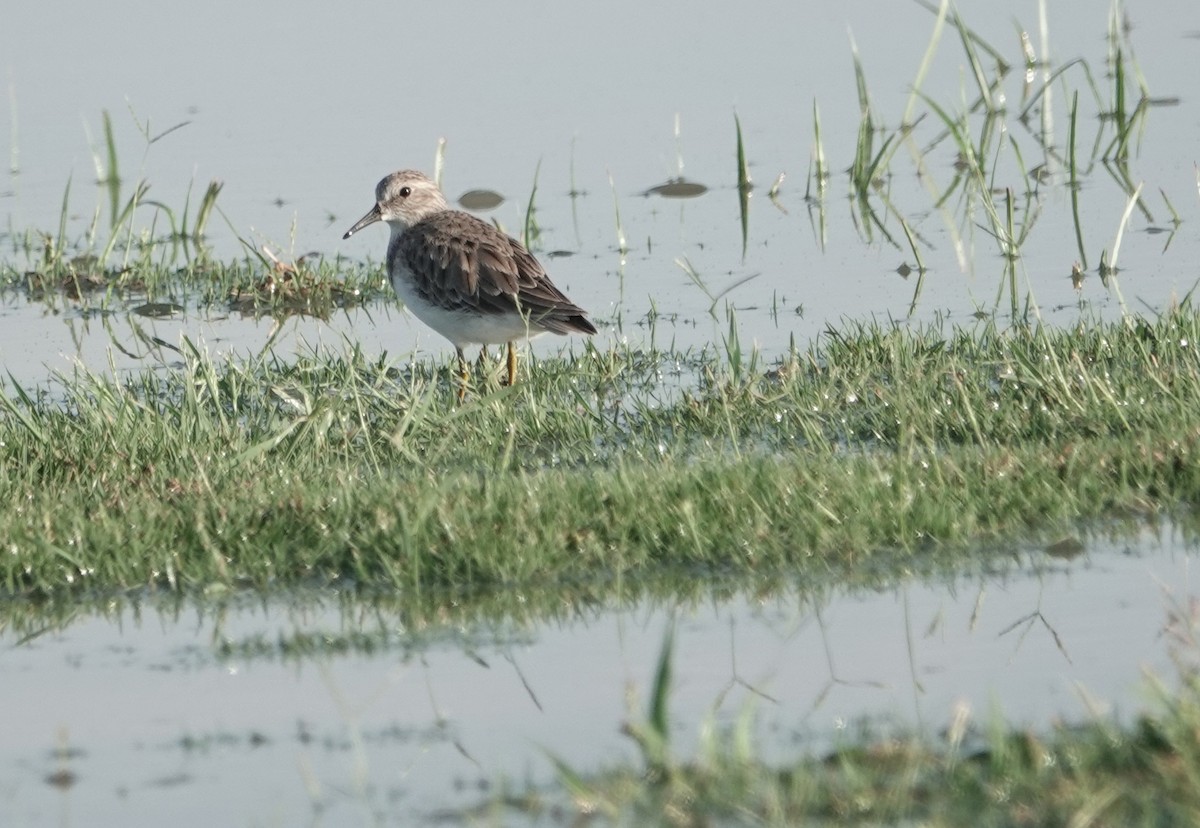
x=461, y=326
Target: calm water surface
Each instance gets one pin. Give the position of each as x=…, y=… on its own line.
x=300, y=109
x=253, y=713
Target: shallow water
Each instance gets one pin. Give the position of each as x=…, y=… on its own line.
x=320, y=709
x=300, y=111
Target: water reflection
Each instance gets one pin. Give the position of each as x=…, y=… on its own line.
x=677, y=188
x=480, y=200
x=250, y=709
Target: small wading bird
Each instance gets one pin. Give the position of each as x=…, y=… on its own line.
x=462, y=277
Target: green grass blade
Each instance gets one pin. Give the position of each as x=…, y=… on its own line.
x=58, y=249
x=935, y=38
x=659, y=714
x=125, y=219
x=622, y=246
x=25, y=413
x=112, y=176
x=207, y=204
x=1073, y=183
x=744, y=186
x=820, y=167
x=530, y=231
x=976, y=64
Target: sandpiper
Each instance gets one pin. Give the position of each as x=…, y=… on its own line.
x=461, y=276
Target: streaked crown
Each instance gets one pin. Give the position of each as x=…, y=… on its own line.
x=407, y=197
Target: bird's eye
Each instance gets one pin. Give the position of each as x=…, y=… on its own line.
x=405, y=192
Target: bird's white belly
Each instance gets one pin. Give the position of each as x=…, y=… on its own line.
x=463, y=327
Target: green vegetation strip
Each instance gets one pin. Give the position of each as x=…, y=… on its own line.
x=1095, y=775
x=888, y=446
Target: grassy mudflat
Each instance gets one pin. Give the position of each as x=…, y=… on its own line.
x=892, y=447
x=885, y=451
x=873, y=447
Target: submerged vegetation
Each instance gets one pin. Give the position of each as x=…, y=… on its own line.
x=1091, y=774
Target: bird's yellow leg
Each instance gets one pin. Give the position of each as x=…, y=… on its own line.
x=463, y=375
x=512, y=365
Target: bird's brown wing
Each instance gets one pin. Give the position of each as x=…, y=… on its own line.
x=460, y=261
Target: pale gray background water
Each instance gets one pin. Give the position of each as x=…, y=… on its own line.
x=307, y=106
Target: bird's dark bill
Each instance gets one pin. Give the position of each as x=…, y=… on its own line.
x=370, y=218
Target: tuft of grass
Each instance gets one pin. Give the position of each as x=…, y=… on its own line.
x=131, y=244
x=864, y=167
x=184, y=230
